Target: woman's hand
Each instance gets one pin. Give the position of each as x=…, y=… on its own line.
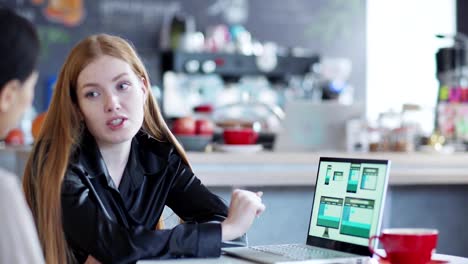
x=244, y=207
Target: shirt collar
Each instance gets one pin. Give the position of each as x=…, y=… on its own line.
x=134, y=171
x=147, y=149
x=143, y=160
x=90, y=159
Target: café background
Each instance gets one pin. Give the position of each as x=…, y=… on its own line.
x=391, y=45
x=329, y=28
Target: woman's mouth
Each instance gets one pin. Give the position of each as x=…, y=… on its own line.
x=116, y=123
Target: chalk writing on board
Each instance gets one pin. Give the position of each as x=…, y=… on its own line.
x=50, y=35
x=118, y=12
x=234, y=11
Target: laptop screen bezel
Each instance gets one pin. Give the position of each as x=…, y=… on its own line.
x=339, y=245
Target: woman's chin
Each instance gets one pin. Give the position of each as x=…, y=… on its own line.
x=116, y=139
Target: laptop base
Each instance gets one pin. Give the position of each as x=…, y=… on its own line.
x=251, y=254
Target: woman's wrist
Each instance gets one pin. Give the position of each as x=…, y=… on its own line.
x=227, y=232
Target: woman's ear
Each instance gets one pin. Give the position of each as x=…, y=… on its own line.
x=8, y=94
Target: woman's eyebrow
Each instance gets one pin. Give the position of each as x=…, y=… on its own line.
x=118, y=76
x=96, y=84
x=89, y=84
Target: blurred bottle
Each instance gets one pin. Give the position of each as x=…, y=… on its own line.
x=356, y=136
x=26, y=125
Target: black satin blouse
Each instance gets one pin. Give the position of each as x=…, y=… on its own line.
x=117, y=225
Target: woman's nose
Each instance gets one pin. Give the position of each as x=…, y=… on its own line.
x=112, y=103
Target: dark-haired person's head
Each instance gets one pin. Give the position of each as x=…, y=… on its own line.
x=19, y=50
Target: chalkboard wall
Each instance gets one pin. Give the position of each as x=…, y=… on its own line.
x=333, y=28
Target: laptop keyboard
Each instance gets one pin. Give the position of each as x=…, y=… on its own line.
x=299, y=252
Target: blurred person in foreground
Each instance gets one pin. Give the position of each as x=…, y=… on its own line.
x=105, y=165
x=19, y=50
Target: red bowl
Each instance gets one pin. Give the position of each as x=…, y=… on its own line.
x=240, y=136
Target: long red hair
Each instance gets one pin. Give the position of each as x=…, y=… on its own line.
x=61, y=132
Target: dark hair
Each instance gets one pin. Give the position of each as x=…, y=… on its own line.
x=19, y=47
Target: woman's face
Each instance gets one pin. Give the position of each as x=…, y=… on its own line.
x=111, y=99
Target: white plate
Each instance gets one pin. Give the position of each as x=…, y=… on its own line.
x=238, y=148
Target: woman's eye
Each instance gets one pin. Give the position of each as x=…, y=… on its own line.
x=91, y=94
x=123, y=86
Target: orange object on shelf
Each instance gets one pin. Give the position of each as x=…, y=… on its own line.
x=37, y=2
x=37, y=124
x=15, y=137
x=68, y=12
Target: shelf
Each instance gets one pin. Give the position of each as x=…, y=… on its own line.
x=236, y=65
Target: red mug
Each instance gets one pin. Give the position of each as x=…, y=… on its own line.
x=406, y=245
x=240, y=136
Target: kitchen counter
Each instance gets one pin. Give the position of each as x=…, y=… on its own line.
x=298, y=169
x=420, y=184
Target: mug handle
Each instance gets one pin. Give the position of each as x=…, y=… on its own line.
x=371, y=248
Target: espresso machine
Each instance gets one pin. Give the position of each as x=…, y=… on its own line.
x=244, y=90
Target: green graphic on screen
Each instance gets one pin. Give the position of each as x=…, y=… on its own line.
x=330, y=212
x=348, y=200
x=328, y=175
x=338, y=176
x=369, y=178
x=353, y=179
x=357, y=217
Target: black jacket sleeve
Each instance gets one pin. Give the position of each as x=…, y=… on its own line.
x=89, y=228
x=189, y=198
x=193, y=202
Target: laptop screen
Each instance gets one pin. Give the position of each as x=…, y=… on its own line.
x=348, y=200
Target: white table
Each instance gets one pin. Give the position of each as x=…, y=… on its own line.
x=229, y=260
x=222, y=259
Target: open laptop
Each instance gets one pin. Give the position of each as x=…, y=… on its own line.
x=347, y=209
x=310, y=126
